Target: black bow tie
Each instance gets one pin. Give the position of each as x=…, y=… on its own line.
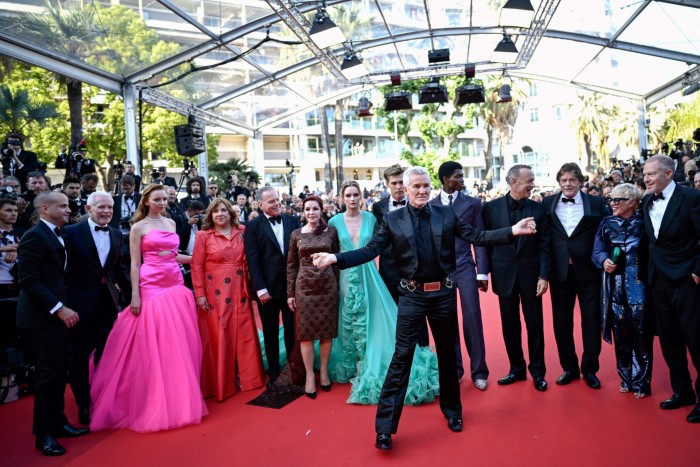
x=658, y=197
x=104, y=229
x=400, y=203
x=568, y=200
x=58, y=231
x=5, y=233
x=275, y=219
x=128, y=196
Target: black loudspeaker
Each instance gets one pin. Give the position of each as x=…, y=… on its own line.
x=189, y=140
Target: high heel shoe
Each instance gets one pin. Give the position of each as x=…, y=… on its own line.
x=310, y=395
x=326, y=387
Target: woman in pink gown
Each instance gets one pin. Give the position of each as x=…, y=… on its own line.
x=148, y=378
x=230, y=342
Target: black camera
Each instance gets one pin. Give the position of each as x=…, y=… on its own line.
x=187, y=165
x=125, y=222
x=155, y=175
x=7, y=154
x=118, y=169
x=8, y=193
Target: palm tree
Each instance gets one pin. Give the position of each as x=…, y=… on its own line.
x=72, y=32
x=591, y=120
x=18, y=113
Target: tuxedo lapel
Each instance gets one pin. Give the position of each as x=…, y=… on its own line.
x=436, y=223
x=51, y=235
x=671, y=208
x=586, y=213
x=89, y=243
x=113, y=243
x=406, y=226
x=556, y=222
x=286, y=234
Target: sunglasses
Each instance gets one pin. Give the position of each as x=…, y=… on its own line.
x=616, y=201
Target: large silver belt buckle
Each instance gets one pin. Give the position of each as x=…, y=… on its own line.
x=448, y=283
x=408, y=285
x=431, y=286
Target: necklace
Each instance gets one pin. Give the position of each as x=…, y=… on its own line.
x=224, y=232
x=353, y=218
x=156, y=219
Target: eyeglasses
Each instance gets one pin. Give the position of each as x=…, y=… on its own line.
x=615, y=201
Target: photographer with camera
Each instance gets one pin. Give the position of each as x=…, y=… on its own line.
x=71, y=188
x=15, y=160
x=194, y=189
x=187, y=234
x=75, y=160
x=130, y=169
x=88, y=185
x=161, y=177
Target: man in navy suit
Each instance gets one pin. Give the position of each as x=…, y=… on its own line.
x=574, y=218
x=468, y=280
x=519, y=272
x=423, y=240
x=94, y=280
x=266, y=242
x=42, y=312
x=672, y=223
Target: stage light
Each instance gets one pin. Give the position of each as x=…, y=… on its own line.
x=363, y=107
x=505, y=51
x=395, y=79
x=517, y=13
x=469, y=94
x=399, y=100
x=504, y=94
x=352, y=66
x=324, y=32
x=470, y=70
x=438, y=56
x=433, y=93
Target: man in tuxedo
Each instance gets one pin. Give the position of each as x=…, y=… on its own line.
x=18, y=162
x=672, y=223
x=519, y=272
x=266, y=244
x=451, y=175
x=130, y=169
x=94, y=280
x=42, y=313
x=164, y=179
x=574, y=218
x=423, y=240
x=195, y=188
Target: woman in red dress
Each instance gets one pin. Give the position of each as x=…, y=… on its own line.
x=225, y=315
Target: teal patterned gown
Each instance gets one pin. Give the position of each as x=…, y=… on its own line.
x=367, y=330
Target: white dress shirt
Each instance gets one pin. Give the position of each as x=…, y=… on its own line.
x=394, y=208
x=101, y=239
x=570, y=214
x=658, y=208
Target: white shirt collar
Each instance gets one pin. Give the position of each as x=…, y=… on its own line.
x=51, y=226
x=668, y=191
x=93, y=224
x=578, y=199
x=444, y=197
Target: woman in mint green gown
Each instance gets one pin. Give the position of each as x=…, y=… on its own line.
x=367, y=319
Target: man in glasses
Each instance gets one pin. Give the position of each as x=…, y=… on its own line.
x=573, y=218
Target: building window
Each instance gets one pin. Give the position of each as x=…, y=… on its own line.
x=533, y=89
x=318, y=175
x=313, y=144
x=355, y=175
x=368, y=174
x=534, y=115
x=557, y=112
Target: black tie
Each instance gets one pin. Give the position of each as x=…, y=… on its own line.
x=275, y=219
x=5, y=233
x=104, y=229
x=400, y=203
x=58, y=231
x=131, y=197
x=568, y=200
x=449, y=197
x=658, y=197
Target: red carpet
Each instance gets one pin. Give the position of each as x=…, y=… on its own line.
x=569, y=426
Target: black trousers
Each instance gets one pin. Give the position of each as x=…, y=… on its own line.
x=440, y=308
x=512, y=332
x=51, y=350
x=88, y=336
x=423, y=337
x=9, y=335
x=564, y=294
x=677, y=308
x=270, y=319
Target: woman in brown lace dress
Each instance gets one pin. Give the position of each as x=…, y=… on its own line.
x=313, y=292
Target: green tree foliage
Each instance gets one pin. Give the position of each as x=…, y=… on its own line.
x=220, y=171
x=21, y=114
x=682, y=120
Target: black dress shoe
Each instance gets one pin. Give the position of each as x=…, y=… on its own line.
x=511, y=378
x=49, y=446
x=540, y=383
x=591, y=380
x=676, y=401
x=694, y=415
x=311, y=395
x=454, y=424
x=567, y=377
x=67, y=431
x=326, y=387
x=383, y=442
x=84, y=416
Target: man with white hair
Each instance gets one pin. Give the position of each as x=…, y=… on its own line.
x=93, y=283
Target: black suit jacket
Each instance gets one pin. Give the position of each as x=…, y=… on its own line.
x=397, y=230
x=267, y=264
x=387, y=262
x=85, y=273
x=525, y=260
x=41, y=259
x=116, y=217
x=469, y=210
x=579, y=246
x=29, y=162
x=676, y=251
